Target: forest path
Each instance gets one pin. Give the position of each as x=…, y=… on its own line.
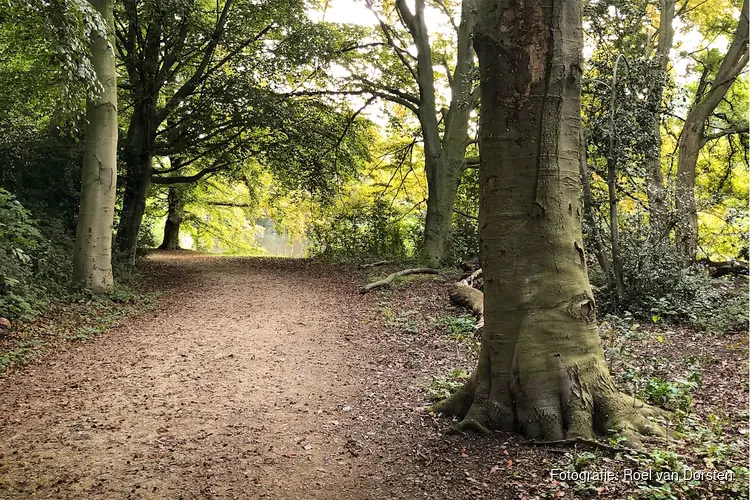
x=234, y=388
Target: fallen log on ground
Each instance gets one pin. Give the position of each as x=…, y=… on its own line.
x=388, y=279
x=465, y=294
x=719, y=269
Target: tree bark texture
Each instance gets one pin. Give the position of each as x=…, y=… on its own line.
x=175, y=215
x=444, y=157
x=692, y=138
x=655, y=190
x=92, y=260
x=138, y=163
x=541, y=368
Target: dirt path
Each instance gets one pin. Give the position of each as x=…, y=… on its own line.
x=263, y=378
x=236, y=388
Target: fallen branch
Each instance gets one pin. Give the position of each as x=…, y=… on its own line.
x=465, y=294
x=375, y=264
x=388, y=279
x=719, y=269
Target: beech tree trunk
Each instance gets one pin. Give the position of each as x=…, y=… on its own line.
x=175, y=215
x=444, y=157
x=92, y=260
x=541, y=369
x=138, y=159
x=656, y=191
x=693, y=137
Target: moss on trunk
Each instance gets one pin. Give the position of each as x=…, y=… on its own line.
x=541, y=369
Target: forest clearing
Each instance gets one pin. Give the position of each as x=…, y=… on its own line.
x=374, y=249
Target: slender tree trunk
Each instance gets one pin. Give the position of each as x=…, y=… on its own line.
x=692, y=138
x=175, y=214
x=541, y=369
x=92, y=260
x=590, y=218
x=656, y=191
x=614, y=224
x=687, y=212
x=441, y=186
x=138, y=159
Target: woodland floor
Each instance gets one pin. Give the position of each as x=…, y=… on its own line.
x=274, y=378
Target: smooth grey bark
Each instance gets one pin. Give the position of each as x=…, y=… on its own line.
x=541, y=369
x=693, y=137
x=92, y=259
x=175, y=216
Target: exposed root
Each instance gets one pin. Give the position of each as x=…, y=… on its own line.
x=468, y=424
x=609, y=413
x=458, y=403
x=375, y=264
x=589, y=442
x=388, y=279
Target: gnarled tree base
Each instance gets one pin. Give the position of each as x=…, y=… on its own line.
x=580, y=412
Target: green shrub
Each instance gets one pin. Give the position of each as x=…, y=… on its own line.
x=35, y=259
x=442, y=387
x=378, y=230
x=659, y=287
x=20, y=241
x=677, y=395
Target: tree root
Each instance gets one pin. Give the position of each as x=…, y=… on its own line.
x=388, y=279
x=590, y=442
x=375, y=264
x=468, y=424
x=613, y=413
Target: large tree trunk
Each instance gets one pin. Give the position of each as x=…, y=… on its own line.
x=175, y=214
x=541, y=369
x=442, y=186
x=92, y=261
x=692, y=138
x=444, y=158
x=656, y=192
x=138, y=159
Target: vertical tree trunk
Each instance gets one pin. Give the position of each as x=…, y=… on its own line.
x=441, y=192
x=590, y=218
x=541, y=368
x=444, y=158
x=692, y=138
x=175, y=214
x=138, y=158
x=656, y=192
x=92, y=260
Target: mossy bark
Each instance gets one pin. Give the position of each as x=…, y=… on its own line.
x=541, y=369
x=92, y=260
